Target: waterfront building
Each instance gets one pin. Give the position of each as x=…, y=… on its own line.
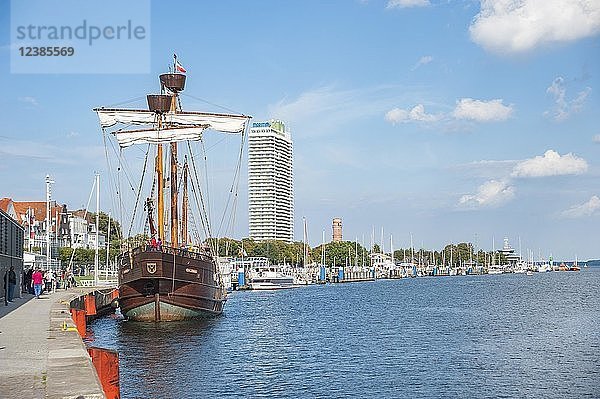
x=11, y=250
x=337, y=229
x=78, y=227
x=91, y=237
x=31, y=215
x=83, y=230
x=270, y=182
x=67, y=229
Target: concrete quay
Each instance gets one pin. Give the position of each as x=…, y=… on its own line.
x=39, y=357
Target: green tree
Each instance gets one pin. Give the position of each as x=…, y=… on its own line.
x=342, y=253
x=81, y=256
x=228, y=247
x=115, y=227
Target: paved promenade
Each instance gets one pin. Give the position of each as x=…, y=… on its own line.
x=38, y=358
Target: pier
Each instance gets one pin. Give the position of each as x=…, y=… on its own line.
x=42, y=354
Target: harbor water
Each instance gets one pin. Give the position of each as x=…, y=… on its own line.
x=484, y=336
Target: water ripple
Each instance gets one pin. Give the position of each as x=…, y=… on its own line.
x=476, y=336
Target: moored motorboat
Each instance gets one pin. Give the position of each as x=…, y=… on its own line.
x=272, y=277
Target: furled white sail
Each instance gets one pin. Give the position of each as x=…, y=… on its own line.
x=174, y=127
x=111, y=117
x=220, y=122
x=154, y=136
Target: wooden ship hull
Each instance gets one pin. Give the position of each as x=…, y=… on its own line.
x=152, y=290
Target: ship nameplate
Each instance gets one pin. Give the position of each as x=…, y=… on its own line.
x=151, y=267
x=193, y=271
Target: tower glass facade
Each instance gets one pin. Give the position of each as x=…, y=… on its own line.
x=270, y=182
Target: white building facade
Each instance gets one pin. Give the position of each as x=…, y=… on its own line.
x=270, y=182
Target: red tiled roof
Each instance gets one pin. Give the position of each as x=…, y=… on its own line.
x=4, y=202
x=38, y=210
x=38, y=207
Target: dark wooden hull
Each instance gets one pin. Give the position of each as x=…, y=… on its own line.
x=168, y=285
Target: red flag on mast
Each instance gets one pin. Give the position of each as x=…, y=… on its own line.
x=179, y=67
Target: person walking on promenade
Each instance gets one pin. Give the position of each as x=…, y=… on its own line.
x=28, y=283
x=10, y=287
x=37, y=280
x=52, y=281
x=159, y=244
x=48, y=280
x=71, y=280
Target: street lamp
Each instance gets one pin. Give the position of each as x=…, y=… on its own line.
x=49, y=182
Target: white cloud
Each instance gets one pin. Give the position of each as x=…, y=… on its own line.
x=29, y=100
x=550, y=164
x=426, y=59
x=466, y=109
x=490, y=194
x=416, y=114
x=407, y=3
x=517, y=26
x=596, y=138
x=482, y=111
x=563, y=107
x=588, y=208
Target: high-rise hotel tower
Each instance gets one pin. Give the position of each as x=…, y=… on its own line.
x=270, y=182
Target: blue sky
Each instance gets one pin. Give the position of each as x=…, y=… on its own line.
x=450, y=120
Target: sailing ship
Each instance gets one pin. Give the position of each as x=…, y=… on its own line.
x=168, y=279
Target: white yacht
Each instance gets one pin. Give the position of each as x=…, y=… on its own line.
x=496, y=269
x=271, y=277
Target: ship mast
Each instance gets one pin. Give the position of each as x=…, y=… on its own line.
x=160, y=189
x=166, y=102
x=184, y=206
x=174, y=199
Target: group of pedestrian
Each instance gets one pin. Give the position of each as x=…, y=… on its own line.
x=68, y=279
x=36, y=282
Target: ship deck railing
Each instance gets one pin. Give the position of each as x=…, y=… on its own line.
x=174, y=251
